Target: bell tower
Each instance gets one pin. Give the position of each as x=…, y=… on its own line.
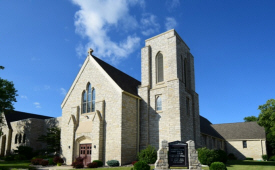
x=169, y=107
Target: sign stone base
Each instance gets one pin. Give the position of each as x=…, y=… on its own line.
x=162, y=161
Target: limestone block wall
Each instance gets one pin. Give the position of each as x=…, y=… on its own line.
x=5, y=138
x=32, y=128
x=255, y=148
x=107, y=91
x=129, y=129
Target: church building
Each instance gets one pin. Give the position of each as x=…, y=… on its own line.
x=108, y=115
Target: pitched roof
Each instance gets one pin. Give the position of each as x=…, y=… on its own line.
x=124, y=81
x=12, y=116
x=244, y=130
x=206, y=128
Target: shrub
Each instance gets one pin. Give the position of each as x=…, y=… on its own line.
x=133, y=163
x=24, y=150
x=141, y=165
x=222, y=156
x=78, y=164
x=9, y=158
x=78, y=159
x=44, y=163
x=51, y=161
x=113, y=163
x=58, y=159
x=36, y=161
x=99, y=163
x=92, y=165
x=217, y=166
x=231, y=156
x=148, y=155
x=19, y=157
x=207, y=156
x=249, y=158
x=59, y=164
x=272, y=158
x=264, y=157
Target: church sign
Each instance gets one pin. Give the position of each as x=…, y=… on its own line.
x=178, y=154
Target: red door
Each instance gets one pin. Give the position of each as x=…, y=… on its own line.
x=85, y=151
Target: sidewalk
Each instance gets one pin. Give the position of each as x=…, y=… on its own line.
x=54, y=167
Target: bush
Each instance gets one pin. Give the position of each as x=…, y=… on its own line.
x=78, y=164
x=36, y=161
x=51, y=161
x=264, y=157
x=44, y=163
x=141, y=165
x=251, y=159
x=231, y=156
x=99, y=163
x=148, y=155
x=9, y=158
x=133, y=163
x=222, y=156
x=58, y=159
x=92, y=165
x=24, y=150
x=207, y=156
x=272, y=158
x=217, y=166
x=19, y=157
x=78, y=159
x=112, y=163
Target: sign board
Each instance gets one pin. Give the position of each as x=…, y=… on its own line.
x=178, y=154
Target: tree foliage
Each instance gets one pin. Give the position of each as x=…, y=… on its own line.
x=250, y=119
x=52, y=139
x=7, y=95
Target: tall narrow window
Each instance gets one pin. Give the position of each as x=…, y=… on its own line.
x=244, y=144
x=84, y=102
x=185, y=72
x=158, y=103
x=20, y=138
x=24, y=138
x=89, y=103
x=159, y=61
x=16, y=138
x=93, y=101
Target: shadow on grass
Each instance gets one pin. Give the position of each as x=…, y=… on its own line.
x=260, y=163
x=15, y=164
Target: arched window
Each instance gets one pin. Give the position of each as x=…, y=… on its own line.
x=159, y=65
x=20, y=138
x=84, y=102
x=24, y=138
x=16, y=138
x=158, y=103
x=89, y=98
x=93, y=101
x=185, y=72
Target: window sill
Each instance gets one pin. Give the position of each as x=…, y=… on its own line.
x=160, y=83
x=160, y=111
x=85, y=114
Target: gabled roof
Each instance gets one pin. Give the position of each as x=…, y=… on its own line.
x=124, y=81
x=206, y=128
x=243, y=130
x=12, y=116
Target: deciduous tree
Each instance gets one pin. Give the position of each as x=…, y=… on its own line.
x=250, y=119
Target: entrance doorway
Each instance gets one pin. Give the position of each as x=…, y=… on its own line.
x=85, y=152
x=3, y=145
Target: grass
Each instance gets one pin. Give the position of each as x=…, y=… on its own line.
x=251, y=165
x=15, y=164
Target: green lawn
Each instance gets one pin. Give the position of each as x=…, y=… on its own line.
x=251, y=165
x=15, y=164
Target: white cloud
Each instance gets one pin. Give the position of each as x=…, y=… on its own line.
x=63, y=91
x=24, y=97
x=149, y=24
x=170, y=23
x=37, y=105
x=172, y=4
x=97, y=18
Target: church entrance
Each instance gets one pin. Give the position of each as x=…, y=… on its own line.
x=85, y=152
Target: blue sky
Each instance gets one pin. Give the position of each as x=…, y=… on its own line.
x=43, y=45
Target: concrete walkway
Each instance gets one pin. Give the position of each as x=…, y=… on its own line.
x=65, y=167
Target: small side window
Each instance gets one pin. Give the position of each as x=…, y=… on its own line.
x=244, y=144
x=158, y=103
x=16, y=138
